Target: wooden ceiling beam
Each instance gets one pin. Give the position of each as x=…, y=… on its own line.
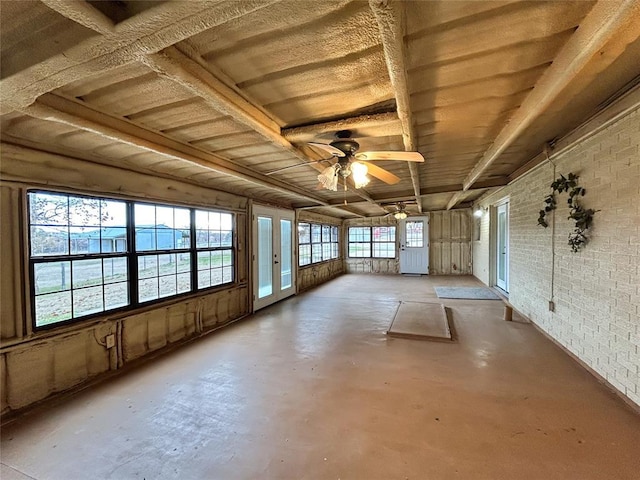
x=601, y=24
x=82, y=13
x=307, y=132
x=70, y=112
x=389, y=16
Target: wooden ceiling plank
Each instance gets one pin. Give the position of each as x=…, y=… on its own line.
x=600, y=25
x=392, y=29
x=148, y=32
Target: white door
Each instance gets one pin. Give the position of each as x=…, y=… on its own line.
x=414, y=245
x=273, y=253
x=502, y=247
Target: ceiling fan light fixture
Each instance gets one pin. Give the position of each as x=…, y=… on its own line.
x=400, y=215
x=359, y=174
x=328, y=178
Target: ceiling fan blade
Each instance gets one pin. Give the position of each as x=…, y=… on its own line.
x=382, y=174
x=328, y=148
x=297, y=165
x=402, y=156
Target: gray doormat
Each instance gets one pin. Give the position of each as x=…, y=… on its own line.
x=470, y=293
x=422, y=321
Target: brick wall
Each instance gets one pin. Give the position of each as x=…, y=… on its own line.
x=596, y=291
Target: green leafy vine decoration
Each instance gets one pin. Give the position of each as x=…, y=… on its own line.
x=583, y=217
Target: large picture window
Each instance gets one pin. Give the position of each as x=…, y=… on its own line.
x=372, y=242
x=317, y=243
x=89, y=255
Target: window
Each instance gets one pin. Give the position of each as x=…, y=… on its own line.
x=214, y=239
x=372, y=242
x=317, y=243
x=89, y=255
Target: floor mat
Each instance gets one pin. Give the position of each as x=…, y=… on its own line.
x=422, y=321
x=470, y=293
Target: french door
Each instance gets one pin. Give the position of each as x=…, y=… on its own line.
x=414, y=245
x=502, y=247
x=273, y=255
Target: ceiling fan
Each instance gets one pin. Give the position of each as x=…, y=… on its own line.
x=355, y=164
x=400, y=211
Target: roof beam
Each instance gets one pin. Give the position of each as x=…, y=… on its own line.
x=83, y=13
x=308, y=132
x=389, y=16
x=603, y=22
x=70, y=112
x=150, y=31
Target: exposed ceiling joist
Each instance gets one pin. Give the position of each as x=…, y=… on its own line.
x=389, y=16
x=598, y=27
x=150, y=31
x=83, y=13
x=310, y=132
x=59, y=109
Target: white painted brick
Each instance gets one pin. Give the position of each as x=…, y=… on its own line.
x=597, y=291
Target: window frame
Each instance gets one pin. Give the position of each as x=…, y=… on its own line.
x=131, y=254
x=324, y=248
x=372, y=242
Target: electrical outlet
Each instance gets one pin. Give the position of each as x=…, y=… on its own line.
x=110, y=341
x=552, y=306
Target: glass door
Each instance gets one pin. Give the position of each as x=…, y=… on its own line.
x=273, y=253
x=502, y=247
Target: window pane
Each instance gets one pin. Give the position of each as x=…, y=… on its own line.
x=184, y=282
x=166, y=264
x=384, y=250
x=384, y=234
x=116, y=295
x=413, y=232
x=316, y=233
x=52, y=308
x=145, y=215
x=84, y=211
x=115, y=269
x=168, y=285
x=145, y=238
x=113, y=239
x=183, y=225
x=316, y=252
x=304, y=233
x=164, y=217
x=204, y=260
x=184, y=263
x=113, y=213
x=148, y=289
x=87, y=301
x=52, y=277
x=326, y=233
x=165, y=239
x=204, y=278
x=86, y=273
x=147, y=266
x=304, y=255
x=226, y=238
x=48, y=209
x=360, y=250
x=49, y=241
x=226, y=221
x=334, y=234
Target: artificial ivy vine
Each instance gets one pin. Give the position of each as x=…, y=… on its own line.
x=583, y=217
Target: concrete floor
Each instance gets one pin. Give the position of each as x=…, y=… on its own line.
x=311, y=388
